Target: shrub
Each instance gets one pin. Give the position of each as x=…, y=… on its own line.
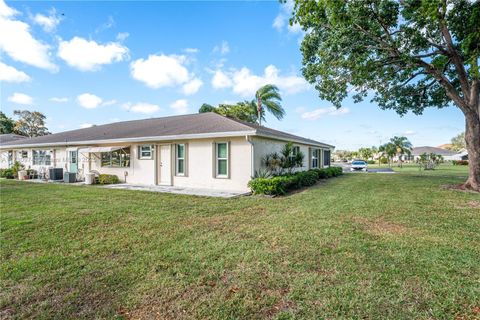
x=383, y=160
x=371, y=162
x=7, y=173
x=460, y=162
x=108, y=179
x=17, y=166
x=280, y=185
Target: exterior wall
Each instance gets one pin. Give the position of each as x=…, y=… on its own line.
x=263, y=146
x=201, y=169
x=141, y=171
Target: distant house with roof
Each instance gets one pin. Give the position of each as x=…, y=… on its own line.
x=204, y=150
x=448, y=155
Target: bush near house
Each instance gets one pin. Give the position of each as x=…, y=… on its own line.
x=108, y=179
x=460, y=162
x=7, y=173
x=280, y=185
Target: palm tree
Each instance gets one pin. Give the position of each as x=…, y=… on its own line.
x=389, y=150
x=402, y=146
x=268, y=98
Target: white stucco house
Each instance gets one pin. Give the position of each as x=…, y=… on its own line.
x=204, y=150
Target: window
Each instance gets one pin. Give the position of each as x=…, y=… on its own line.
x=180, y=159
x=315, y=158
x=73, y=157
x=145, y=152
x=295, y=151
x=41, y=157
x=326, y=158
x=24, y=154
x=222, y=159
x=116, y=158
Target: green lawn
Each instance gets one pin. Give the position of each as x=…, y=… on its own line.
x=372, y=246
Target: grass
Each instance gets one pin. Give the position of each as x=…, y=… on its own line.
x=373, y=246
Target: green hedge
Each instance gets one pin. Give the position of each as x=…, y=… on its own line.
x=108, y=179
x=7, y=173
x=280, y=185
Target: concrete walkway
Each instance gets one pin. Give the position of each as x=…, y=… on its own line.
x=177, y=190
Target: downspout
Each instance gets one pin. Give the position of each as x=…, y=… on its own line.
x=252, y=155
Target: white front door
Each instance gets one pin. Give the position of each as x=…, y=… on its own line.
x=165, y=167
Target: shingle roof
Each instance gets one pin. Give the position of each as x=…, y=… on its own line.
x=9, y=137
x=192, y=124
x=421, y=150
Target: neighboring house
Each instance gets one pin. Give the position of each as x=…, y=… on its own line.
x=204, y=150
x=447, y=155
x=6, y=157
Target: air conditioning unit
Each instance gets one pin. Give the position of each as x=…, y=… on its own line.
x=69, y=177
x=55, y=173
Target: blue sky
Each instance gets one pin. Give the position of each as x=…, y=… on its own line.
x=84, y=63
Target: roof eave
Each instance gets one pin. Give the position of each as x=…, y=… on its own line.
x=132, y=140
x=313, y=143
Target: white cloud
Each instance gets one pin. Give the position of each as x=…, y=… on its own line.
x=21, y=98
x=192, y=86
x=180, y=106
x=109, y=102
x=158, y=71
x=48, y=23
x=321, y=112
x=409, y=133
x=17, y=41
x=282, y=19
x=88, y=55
x=10, y=74
x=122, y=36
x=141, y=107
x=245, y=83
x=59, y=99
x=279, y=22
x=191, y=50
x=89, y=101
x=220, y=80
x=222, y=48
x=86, y=125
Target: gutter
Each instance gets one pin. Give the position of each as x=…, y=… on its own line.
x=252, y=155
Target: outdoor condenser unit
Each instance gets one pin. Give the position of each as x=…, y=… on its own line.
x=55, y=173
x=69, y=177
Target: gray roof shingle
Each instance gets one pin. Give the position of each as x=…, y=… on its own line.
x=9, y=137
x=199, y=123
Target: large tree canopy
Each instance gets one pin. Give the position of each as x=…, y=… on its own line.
x=408, y=55
x=30, y=123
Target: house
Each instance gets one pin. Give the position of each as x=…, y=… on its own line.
x=6, y=157
x=204, y=150
x=447, y=155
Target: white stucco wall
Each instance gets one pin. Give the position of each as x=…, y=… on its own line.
x=264, y=146
x=200, y=164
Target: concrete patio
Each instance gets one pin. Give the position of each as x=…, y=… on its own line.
x=177, y=190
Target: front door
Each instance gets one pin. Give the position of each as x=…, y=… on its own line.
x=165, y=167
x=73, y=161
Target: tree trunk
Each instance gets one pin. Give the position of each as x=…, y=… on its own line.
x=472, y=139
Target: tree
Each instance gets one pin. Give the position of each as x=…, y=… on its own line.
x=402, y=147
x=389, y=150
x=458, y=142
x=268, y=98
x=30, y=123
x=365, y=153
x=206, y=108
x=241, y=111
x=6, y=124
x=409, y=54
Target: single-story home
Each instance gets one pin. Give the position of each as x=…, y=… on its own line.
x=448, y=155
x=6, y=158
x=203, y=150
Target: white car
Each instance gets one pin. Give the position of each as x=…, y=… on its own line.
x=359, y=165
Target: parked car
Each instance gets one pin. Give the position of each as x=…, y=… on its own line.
x=359, y=165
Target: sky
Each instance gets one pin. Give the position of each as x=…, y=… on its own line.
x=91, y=63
